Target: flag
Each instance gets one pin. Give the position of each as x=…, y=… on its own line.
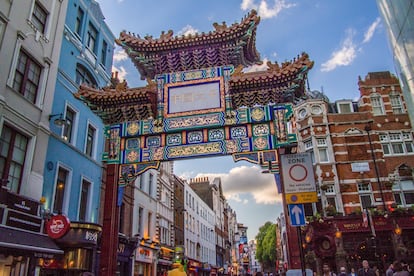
x=120, y=195
x=364, y=218
x=278, y=183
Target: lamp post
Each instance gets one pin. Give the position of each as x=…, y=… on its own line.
x=368, y=129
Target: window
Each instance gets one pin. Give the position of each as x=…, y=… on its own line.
x=39, y=17
x=84, y=198
x=68, y=126
x=141, y=182
x=377, y=106
x=78, y=23
x=396, y=104
x=345, y=107
x=309, y=148
x=397, y=143
x=61, y=185
x=365, y=195
x=2, y=28
x=404, y=192
x=149, y=223
x=140, y=220
x=323, y=150
x=103, y=54
x=90, y=141
x=150, y=184
x=13, y=148
x=27, y=77
x=91, y=39
x=83, y=76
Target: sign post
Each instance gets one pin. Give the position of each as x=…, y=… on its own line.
x=299, y=187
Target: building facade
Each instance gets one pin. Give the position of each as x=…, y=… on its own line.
x=73, y=167
x=199, y=234
x=398, y=17
x=30, y=39
x=363, y=161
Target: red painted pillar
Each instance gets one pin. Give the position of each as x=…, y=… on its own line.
x=294, y=261
x=110, y=229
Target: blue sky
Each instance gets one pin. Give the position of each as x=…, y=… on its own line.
x=345, y=39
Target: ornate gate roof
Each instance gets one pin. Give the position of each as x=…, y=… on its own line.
x=228, y=45
x=235, y=45
x=278, y=84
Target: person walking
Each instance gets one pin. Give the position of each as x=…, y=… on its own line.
x=326, y=270
x=390, y=270
x=342, y=271
x=365, y=270
x=399, y=270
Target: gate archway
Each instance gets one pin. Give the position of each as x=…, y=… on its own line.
x=199, y=102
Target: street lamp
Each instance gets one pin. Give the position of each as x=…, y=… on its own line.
x=368, y=129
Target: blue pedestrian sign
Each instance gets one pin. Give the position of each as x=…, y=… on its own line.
x=297, y=214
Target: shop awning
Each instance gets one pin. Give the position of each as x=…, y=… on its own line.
x=12, y=238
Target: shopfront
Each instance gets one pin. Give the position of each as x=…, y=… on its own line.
x=125, y=256
x=79, y=241
x=145, y=257
x=165, y=259
x=23, y=246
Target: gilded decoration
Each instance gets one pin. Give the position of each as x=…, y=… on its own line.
x=261, y=130
x=153, y=141
x=132, y=156
x=132, y=143
x=260, y=143
x=216, y=135
x=231, y=146
x=132, y=128
x=193, y=121
x=258, y=114
x=195, y=137
x=195, y=150
x=174, y=139
x=238, y=132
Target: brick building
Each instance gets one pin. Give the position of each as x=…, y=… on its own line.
x=363, y=161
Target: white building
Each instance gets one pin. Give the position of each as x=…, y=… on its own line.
x=199, y=223
x=31, y=34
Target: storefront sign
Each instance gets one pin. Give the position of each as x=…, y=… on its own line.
x=144, y=255
x=22, y=204
x=23, y=221
x=57, y=226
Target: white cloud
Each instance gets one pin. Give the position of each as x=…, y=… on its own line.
x=256, y=67
x=122, y=73
x=187, y=30
x=371, y=30
x=343, y=56
x=263, y=8
x=248, y=180
x=120, y=55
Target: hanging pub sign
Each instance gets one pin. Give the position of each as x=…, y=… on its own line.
x=57, y=226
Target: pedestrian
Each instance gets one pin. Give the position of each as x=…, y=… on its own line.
x=326, y=270
x=365, y=270
x=390, y=270
x=399, y=269
x=353, y=273
x=342, y=271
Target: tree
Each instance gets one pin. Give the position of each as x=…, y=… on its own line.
x=266, y=246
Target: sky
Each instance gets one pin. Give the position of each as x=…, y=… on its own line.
x=345, y=39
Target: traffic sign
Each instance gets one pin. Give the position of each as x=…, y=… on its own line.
x=297, y=172
x=301, y=197
x=297, y=214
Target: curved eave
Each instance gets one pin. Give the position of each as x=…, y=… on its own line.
x=114, y=106
x=236, y=41
x=279, y=84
